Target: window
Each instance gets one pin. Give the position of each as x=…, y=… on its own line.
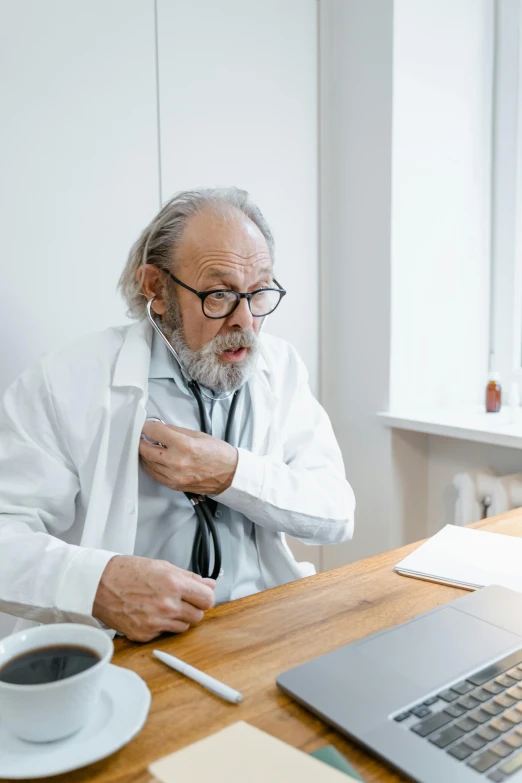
x=506, y=209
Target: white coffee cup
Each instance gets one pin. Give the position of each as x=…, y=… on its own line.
x=54, y=710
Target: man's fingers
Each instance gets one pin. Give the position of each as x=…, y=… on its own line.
x=150, y=452
x=187, y=433
x=154, y=466
x=162, y=433
x=198, y=594
x=157, y=475
x=157, y=455
x=174, y=626
x=140, y=636
x=205, y=579
x=190, y=614
x=159, y=472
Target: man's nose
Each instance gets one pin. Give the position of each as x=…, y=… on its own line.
x=242, y=316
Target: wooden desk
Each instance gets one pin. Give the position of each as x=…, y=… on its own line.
x=248, y=642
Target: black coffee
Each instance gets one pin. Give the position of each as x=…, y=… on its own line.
x=48, y=664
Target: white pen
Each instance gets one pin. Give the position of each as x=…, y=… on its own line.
x=208, y=682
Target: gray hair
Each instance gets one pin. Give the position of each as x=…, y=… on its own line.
x=158, y=242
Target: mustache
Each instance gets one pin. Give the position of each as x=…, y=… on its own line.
x=246, y=338
x=206, y=366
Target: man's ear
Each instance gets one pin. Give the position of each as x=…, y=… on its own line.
x=152, y=281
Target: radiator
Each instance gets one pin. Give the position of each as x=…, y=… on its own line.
x=482, y=493
x=507, y=494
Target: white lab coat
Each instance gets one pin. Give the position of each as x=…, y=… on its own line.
x=69, y=435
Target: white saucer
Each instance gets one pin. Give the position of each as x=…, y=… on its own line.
x=120, y=714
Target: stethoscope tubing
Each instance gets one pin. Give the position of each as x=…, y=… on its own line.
x=206, y=527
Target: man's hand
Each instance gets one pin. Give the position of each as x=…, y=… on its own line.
x=142, y=598
x=188, y=461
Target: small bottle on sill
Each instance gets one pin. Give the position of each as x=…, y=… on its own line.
x=493, y=393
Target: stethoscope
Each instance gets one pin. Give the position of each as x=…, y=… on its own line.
x=207, y=536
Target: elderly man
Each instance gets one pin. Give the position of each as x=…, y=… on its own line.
x=90, y=533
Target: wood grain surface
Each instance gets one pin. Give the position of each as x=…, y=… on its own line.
x=247, y=643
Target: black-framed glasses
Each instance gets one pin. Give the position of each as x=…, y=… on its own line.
x=222, y=303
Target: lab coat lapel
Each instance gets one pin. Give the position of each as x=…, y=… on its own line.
x=263, y=406
x=112, y=515
x=113, y=509
x=99, y=500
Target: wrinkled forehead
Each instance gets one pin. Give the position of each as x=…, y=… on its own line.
x=215, y=241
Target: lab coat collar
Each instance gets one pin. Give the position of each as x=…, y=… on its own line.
x=161, y=362
x=132, y=364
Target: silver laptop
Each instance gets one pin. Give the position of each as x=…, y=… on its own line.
x=439, y=697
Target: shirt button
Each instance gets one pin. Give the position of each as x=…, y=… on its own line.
x=221, y=572
x=219, y=514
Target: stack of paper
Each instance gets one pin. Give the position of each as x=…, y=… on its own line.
x=467, y=558
x=239, y=753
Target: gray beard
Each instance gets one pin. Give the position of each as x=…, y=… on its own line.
x=204, y=365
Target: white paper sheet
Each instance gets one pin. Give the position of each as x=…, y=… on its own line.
x=468, y=558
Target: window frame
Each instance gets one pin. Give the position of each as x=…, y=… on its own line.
x=505, y=349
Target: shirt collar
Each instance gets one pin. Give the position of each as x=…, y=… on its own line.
x=135, y=357
x=164, y=365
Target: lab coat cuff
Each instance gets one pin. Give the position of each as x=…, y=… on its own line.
x=79, y=584
x=247, y=484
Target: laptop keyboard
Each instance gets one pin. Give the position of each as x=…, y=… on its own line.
x=477, y=721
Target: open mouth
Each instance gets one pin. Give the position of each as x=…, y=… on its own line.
x=234, y=354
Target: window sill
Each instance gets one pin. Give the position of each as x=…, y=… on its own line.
x=471, y=423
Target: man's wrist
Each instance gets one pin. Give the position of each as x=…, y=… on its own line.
x=80, y=581
x=247, y=483
x=233, y=457
x=102, y=592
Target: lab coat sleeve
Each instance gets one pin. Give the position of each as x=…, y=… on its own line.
x=42, y=578
x=300, y=487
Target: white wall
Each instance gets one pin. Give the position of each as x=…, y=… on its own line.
x=238, y=105
x=405, y=135
x=79, y=149
x=78, y=157
x=404, y=218
x=356, y=48
x=83, y=172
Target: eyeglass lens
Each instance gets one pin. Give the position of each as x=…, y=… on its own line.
x=223, y=302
